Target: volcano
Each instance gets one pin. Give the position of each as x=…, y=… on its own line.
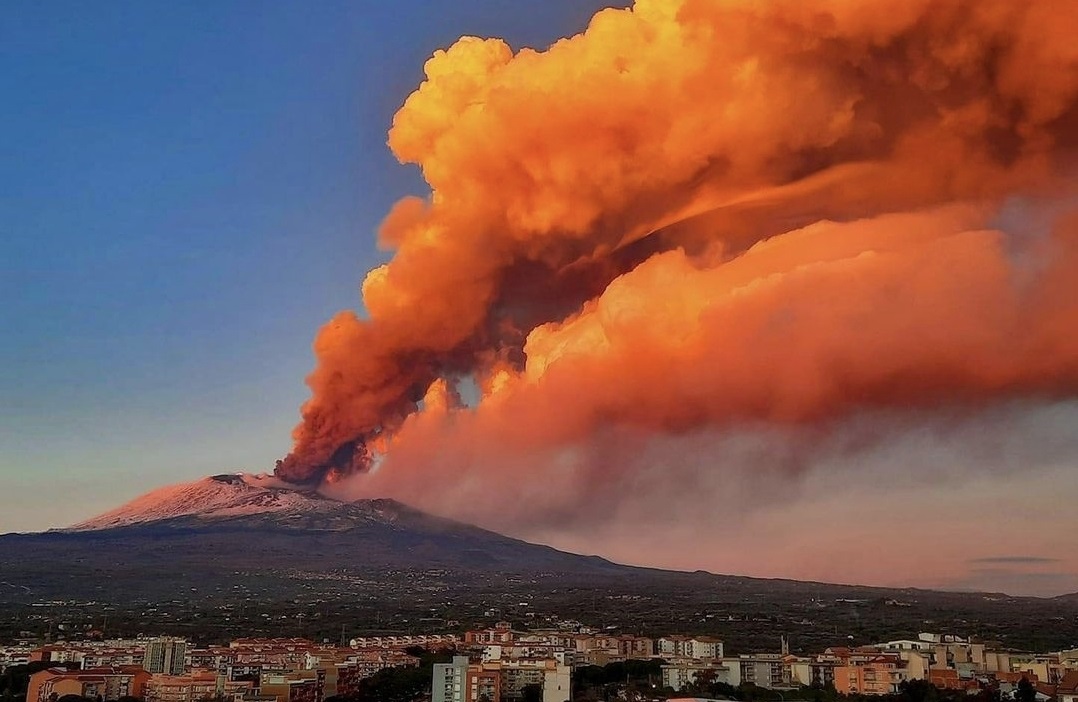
x=266, y=523
x=239, y=517
x=242, y=516
x=238, y=526
x=243, y=499
x=240, y=555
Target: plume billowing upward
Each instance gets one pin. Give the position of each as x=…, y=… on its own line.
x=698, y=212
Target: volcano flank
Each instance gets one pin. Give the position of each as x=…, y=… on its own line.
x=243, y=555
x=243, y=516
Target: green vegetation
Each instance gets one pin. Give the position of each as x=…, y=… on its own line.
x=640, y=681
x=911, y=691
x=532, y=693
x=16, y=678
x=607, y=682
x=1026, y=691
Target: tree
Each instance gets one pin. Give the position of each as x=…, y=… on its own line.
x=1026, y=691
x=918, y=691
x=16, y=678
x=532, y=693
x=703, y=680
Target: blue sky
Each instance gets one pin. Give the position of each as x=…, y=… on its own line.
x=187, y=191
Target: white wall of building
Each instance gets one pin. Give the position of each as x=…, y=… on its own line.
x=558, y=684
x=450, y=680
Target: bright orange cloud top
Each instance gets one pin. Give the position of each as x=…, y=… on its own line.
x=700, y=212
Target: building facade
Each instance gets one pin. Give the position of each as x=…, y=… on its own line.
x=165, y=655
x=450, y=681
x=104, y=683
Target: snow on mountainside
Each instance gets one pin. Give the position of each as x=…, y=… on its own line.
x=224, y=527
x=218, y=497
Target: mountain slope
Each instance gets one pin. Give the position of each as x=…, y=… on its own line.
x=304, y=529
x=242, y=555
x=230, y=496
x=225, y=525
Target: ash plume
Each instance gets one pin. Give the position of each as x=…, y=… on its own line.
x=697, y=214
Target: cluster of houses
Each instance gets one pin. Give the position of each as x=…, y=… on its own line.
x=690, y=662
x=246, y=670
x=502, y=664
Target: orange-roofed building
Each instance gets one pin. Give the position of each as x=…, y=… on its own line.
x=945, y=678
x=295, y=686
x=292, y=644
x=106, y=683
x=1067, y=690
x=483, y=685
x=181, y=688
x=194, y=686
x=880, y=676
x=498, y=635
x=1015, y=678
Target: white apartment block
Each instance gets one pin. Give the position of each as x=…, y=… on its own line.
x=698, y=647
x=677, y=676
x=450, y=681
x=762, y=670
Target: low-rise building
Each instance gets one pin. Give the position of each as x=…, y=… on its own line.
x=13, y=655
x=1067, y=690
x=689, y=672
x=879, y=676
x=500, y=680
x=760, y=669
x=295, y=686
x=104, y=683
x=483, y=685
x=699, y=647
x=449, y=683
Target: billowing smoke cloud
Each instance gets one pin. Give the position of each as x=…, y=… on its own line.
x=701, y=214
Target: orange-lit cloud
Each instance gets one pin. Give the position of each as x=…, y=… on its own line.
x=698, y=216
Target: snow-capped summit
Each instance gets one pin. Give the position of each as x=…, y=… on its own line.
x=224, y=532
x=235, y=495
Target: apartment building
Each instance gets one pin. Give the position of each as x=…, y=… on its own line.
x=501, y=633
x=450, y=681
x=760, y=669
x=165, y=655
x=424, y=640
x=104, y=683
x=294, y=686
x=554, y=678
x=344, y=672
x=699, y=647
x=483, y=685
x=181, y=688
x=13, y=655
x=677, y=676
x=879, y=676
x=499, y=680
